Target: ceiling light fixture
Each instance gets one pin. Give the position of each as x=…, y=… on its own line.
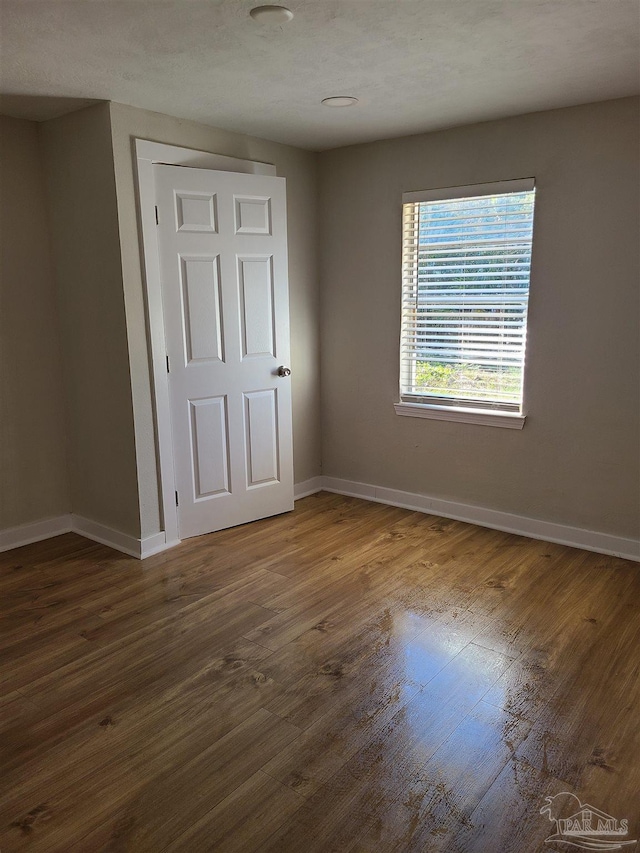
x=340, y=101
x=271, y=14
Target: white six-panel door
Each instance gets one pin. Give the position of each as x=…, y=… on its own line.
x=223, y=261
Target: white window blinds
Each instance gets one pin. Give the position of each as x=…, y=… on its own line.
x=465, y=287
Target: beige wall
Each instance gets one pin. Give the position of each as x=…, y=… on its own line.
x=84, y=223
x=299, y=168
x=33, y=479
x=577, y=460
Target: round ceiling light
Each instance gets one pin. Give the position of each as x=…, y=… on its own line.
x=340, y=101
x=271, y=14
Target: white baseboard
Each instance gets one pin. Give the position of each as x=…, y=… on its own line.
x=107, y=536
x=25, y=534
x=35, y=531
x=307, y=487
x=151, y=545
x=139, y=548
x=576, y=537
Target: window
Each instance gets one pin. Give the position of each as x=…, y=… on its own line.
x=466, y=258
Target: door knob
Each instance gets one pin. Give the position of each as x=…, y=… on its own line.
x=284, y=371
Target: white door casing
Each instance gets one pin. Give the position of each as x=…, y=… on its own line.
x=223, y=267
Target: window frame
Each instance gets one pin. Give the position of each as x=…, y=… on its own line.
x=410, y=405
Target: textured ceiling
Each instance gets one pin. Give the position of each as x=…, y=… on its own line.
x=415, y=65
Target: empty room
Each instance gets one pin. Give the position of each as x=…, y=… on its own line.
x=319, y=426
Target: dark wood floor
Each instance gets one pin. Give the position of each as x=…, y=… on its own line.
x=348, y=677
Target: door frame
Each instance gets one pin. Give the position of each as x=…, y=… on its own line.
x=146, y=154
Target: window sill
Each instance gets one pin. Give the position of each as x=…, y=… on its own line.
x=484, y=417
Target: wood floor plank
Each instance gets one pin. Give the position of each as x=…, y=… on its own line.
x=508, y=818
x=218, y=694
x=365, y=703
x=339, y=812
x=241, y=822
x=424, y=646
x=151, y=817
x=438, y=800
x=347, y=677
x=609, y=668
